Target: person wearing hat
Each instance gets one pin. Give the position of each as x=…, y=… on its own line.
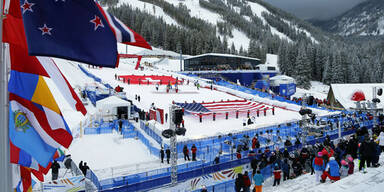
x=277, y=175
x=351, y=165
x=332, y=171
x=344, y=168
x=204, y=189
x=318, y=165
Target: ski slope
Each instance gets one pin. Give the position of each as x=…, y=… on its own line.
x=150, y=9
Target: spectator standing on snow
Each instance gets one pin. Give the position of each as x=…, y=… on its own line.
x=168, y=153
x=380, y=139
x=186, y=153
x=365, y=153
x=318, y=165
x=239, y=183
x=162, y=155
x=193, y=149
x=85, y=168
x=277, y=175
x=258, y=180
x=55, y=170
x=351, y=165
x=81, y=165
x=285, y=167
x=247, y=182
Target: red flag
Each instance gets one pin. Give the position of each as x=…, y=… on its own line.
x=26, y=179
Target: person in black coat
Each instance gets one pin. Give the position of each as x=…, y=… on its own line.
x=162, y=155
x=85, y=168
x=81, y=165
x=364, y=154
x=254, y=163
x=186, y=153
x=168, y=153
x=55, y=170
x=239, y=183
x=352, y=147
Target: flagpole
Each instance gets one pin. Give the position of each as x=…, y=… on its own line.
x=5, y=166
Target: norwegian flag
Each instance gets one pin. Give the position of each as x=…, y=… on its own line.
x=222, y=107
x=78, y=30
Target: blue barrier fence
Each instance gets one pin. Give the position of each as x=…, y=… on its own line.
x=94, y=77
x=91, y=176
x=151, y=133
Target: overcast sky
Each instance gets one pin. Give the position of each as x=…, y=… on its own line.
x=319, y=9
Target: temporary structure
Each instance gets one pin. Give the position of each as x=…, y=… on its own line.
x=113, y=107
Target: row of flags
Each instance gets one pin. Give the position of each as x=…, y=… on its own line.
x=78, y=30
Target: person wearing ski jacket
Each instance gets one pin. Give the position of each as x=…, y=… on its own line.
x=332, y=171
x=258, y=180
x=351, y=165
x=247, y=182
x=318, y=165
x=380, y=139
x=344, y=168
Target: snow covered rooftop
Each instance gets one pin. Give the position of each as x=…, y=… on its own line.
x=344, y=92
x=222, y=55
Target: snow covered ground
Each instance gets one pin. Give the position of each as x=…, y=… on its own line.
x=188, y=93
x=110, y=155
x=318, y=90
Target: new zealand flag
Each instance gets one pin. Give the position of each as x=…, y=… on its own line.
x=78, y=30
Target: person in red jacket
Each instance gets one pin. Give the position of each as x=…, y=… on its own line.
x=193, y=149
x=277, y=175
x=238, y=155
x=255, y=143
x=247, y=182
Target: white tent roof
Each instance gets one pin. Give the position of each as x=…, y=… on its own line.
x=112, y=100
x=343, y=93
x=282, y=77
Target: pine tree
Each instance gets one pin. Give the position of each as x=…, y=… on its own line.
x=303, y=72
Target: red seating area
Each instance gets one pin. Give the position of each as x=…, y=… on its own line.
x=148, y=79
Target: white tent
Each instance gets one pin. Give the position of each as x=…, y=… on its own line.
x=281, y=79
x=112, y=106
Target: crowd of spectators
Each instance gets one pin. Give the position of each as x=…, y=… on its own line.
x=329, y=159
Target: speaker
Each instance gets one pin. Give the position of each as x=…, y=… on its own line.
x=168, y=133
x=178, y=116
x=302, y=111
x=180, y=131
x=379, y=91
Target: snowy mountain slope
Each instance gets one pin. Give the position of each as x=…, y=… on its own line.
x=151, y=9
x=364, y=19
x=239, y=37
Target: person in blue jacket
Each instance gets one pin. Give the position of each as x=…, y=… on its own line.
x=258, y=179
x=332, y=171
x=318, y=165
